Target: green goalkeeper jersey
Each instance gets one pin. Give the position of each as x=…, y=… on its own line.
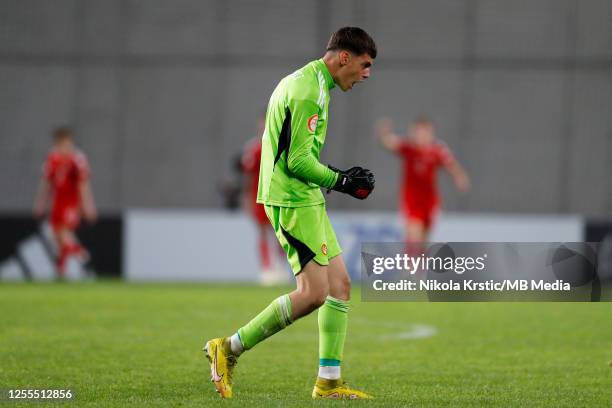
x=296, y=123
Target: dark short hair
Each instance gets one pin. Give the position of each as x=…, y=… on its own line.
x=352, y=39
x=423, y=120
x=62, y=132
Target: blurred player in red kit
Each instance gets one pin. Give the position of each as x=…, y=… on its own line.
x=65, y=183
x=271, y=273
x=422, y=155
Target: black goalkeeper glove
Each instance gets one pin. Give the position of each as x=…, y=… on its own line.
x=356, y=181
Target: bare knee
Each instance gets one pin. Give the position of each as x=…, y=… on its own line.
x=312, y=289
x=341, y=287
x=62, y=237
x=344, y=289
x=314, y=297
x=415, y=230
x=339, y=280
x=317, y=296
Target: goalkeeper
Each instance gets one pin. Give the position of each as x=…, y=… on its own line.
x=289, y=187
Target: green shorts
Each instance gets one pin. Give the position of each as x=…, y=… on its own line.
x=305, y=234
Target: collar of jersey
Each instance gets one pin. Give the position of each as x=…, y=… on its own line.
x=328, y=78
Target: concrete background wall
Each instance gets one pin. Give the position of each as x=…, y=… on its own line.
x=162, y=94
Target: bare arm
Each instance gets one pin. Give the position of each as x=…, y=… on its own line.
x=249, y=168
x=459, y=175
x=247, y=200
x=87, y=200
x=388, y=139
x=42, y=197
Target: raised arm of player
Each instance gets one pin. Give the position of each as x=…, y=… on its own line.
x=300, y=159
x=388, y=139
x=459, y=175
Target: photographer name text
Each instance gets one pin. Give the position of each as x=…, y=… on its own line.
x=471, y=285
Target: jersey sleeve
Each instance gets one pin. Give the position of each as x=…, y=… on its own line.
x=300, y=159
x=404, y=149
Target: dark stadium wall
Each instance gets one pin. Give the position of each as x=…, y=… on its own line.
x=105, y=242
x=597, y=230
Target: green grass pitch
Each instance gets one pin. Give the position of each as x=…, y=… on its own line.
x=119, y=344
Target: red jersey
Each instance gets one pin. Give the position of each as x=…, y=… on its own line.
x=251, y=159
x=420, y=165
x=65, y=172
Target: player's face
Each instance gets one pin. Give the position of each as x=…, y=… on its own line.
x=354, y=69
x=63, y=143
x=422, y=133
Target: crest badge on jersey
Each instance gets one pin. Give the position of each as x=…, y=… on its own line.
x=324, y=249
x=312, y=122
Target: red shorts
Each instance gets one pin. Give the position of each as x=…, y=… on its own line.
x=258, y=212
x=423, y=211
x=65, y=217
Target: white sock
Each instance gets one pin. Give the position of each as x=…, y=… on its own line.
x=236, y=345
x=329, y=372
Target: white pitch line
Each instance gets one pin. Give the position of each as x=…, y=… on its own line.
x=418, y=331
x=415, y=331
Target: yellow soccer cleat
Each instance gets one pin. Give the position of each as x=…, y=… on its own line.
x=222, y=363
x=336, y=389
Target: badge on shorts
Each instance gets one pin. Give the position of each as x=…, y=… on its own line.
x=324, y=249
x=312, y=122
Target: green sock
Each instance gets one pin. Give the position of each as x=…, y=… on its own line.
x=271, y=320
x=333, y=318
